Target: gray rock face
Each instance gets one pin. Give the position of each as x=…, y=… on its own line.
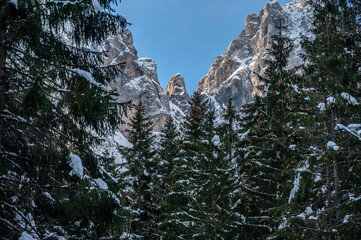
x=234, y=75
x=139, y=81
x=231, y=76
x=177, y=93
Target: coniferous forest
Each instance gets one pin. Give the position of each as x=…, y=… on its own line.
x=287, y=165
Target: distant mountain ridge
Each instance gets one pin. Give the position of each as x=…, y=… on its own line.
x=231, y=76
x=234, y=74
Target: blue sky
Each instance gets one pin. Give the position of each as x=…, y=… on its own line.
x=185, y=36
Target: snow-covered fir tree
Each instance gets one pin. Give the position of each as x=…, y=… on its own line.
x=169, y=154
x=140, y=176
x=271, y=143
x=332, y=72
x=54, y=107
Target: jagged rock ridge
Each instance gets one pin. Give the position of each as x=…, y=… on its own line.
x=234, y=74
x=177, y=93
x=139, y=81
x=231, y=76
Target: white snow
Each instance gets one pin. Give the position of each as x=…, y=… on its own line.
x=351, y=130
x=243, y=65
x=353, y=198
x=101, y=184
x=318, y=178
x=296, y=182
x=331, y=100
x=175, y=109
x=332, y=145
x=292, y=147
x=349, y=98
x=354, y=127
x=321, y=106
x=148, y=63
x=109, y=148
x=283, y=224
x=15, y=2
x=346, y=218
x=89, y=77
x=244, y=135
x=96, y=6
x=296, y=15
x=76, y=164
x=26, y=236
x=296, y=187
x=216, y=141
x=309, y=210
x=49, y=196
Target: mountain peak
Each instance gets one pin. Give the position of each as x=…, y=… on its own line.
x=177, y=93
x=234, y=75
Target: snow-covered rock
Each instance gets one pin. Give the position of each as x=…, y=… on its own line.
x=138, y=81
x=234, y=74
x=177, y=92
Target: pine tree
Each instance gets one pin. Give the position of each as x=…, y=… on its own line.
x=169, y=154
x=181, y=217
x=215, y=186
x=229, y=134
x=199, y=201
x=271, y=145
x=141, y=176
x=332, y=72
x=54, y=106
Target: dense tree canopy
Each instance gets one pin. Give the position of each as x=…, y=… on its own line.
x=54, y=106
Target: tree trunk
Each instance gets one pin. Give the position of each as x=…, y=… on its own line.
x=328, y=185
x=335, y=170
x=336, y=183
x=3, y=77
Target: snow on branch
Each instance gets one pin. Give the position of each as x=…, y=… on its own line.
x=15, y=2
x=96, y=6
x=349, y=98
x=297, y=181
x=89, y=77
x=76, y=164
x=353, y=129
x=26, y=236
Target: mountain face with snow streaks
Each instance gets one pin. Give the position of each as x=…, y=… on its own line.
x=177, y=92
x=139, y=80
x=234, y=75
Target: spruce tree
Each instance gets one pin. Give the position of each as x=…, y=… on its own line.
x=54, y=106
x=215, y=185
x=199, y=201
x=141, y=176
x=333, y=74
x=168, y=155
x=271, y=145
x=182, y=215
x=228, y=128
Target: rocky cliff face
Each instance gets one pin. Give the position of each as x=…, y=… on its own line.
x=234, y=74
x=177, y=93
x=139, y=81
x=231, y=76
